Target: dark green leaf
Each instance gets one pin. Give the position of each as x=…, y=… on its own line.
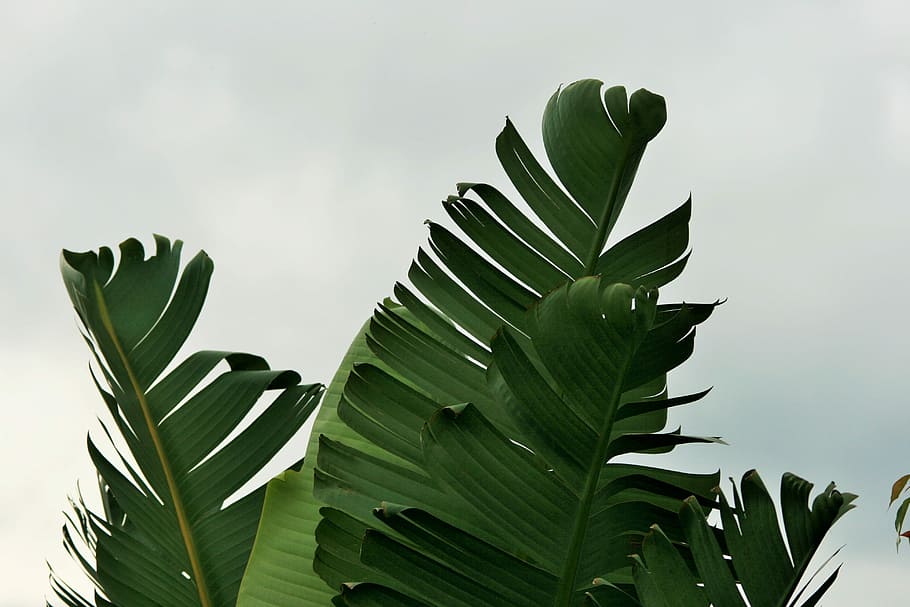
x=166, y=537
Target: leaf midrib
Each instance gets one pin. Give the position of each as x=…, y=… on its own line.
x=570, y=571
x=179, y=509
x=600, y=237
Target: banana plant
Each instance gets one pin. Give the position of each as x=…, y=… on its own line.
x=469, y=449
x=165, y=536
x=433, y=349
x=762, y=567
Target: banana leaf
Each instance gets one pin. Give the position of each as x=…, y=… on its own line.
x=432, y=348
x=165, y=536
x=763, y=570
x=496, y=522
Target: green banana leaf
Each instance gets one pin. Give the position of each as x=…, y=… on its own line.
x=433, y=351
x=165, y=537
x=530, y=524
x=767, y=569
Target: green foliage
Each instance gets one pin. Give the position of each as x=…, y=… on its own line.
x=468, y=450
x=277, y=575
x=900, y=488
x=576, y=388
x=512, y=448
x=434, y=351
x=164, y=537
x=767, y=569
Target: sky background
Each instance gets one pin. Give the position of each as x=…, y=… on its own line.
x=302, y=145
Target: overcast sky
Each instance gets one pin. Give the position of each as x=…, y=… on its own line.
x=302, y=145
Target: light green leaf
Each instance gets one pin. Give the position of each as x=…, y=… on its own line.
x=290, y=514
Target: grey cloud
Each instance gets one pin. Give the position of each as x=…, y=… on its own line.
x=302, y=145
